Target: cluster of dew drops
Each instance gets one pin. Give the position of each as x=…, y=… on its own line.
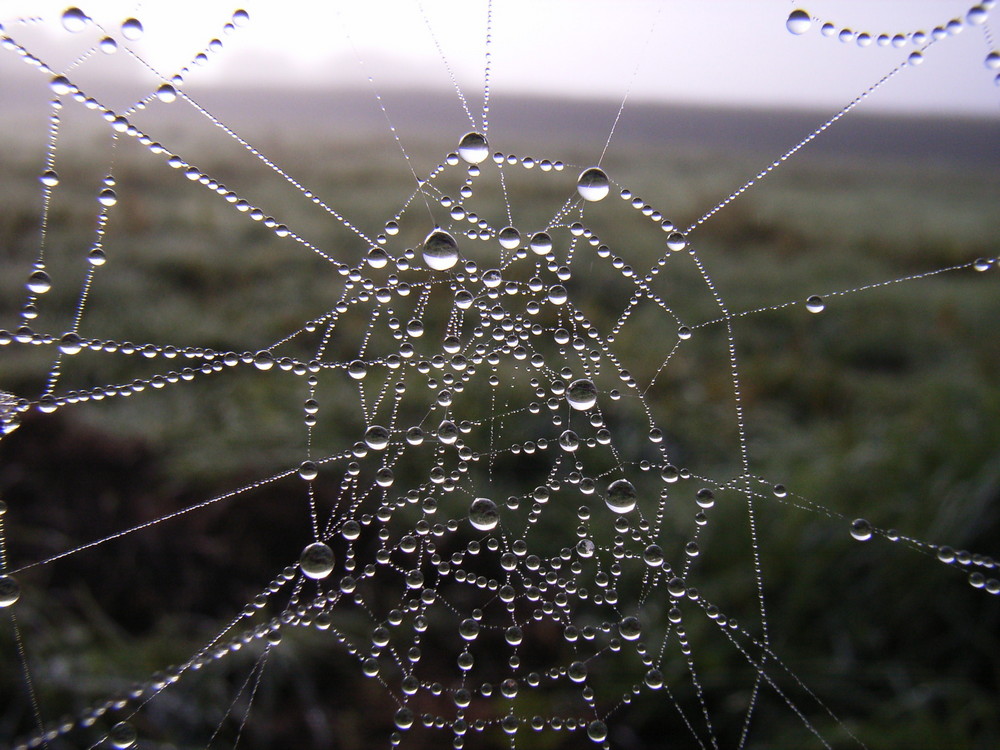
x=440, y=252
x=800, y=22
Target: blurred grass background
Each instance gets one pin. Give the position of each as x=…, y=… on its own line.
x=885, y=406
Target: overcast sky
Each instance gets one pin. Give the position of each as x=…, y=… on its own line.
x=723, y=51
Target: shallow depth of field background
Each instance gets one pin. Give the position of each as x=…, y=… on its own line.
x=885, y=406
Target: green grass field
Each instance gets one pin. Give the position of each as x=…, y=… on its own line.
x=885, y=406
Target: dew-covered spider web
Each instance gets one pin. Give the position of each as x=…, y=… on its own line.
x=479, y=434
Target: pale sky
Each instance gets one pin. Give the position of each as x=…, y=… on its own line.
x=718, y=52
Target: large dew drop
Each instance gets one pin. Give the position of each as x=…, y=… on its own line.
x=581, y=394
x=621, y=496
x=317, y=560
x=440, y=250
x=483, y=514
x=474, y=148
x=593, y=184
x=798, y=22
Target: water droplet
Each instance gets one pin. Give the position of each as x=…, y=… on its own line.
x=492, y=278
x=593, y=184
x=241, y=17
x=474, y=148
x=468, y=629
x=621, y=496
x=357, y=369
x=815, y=304
x=977, y=15
x=653, y=556
x=861, y=529
x=166, y=93
x=107, y=197
x=263, y=360
x=569, y=441
x=676, y=241
x=317, y=560
x=122, y=735
x=10, y=416
x=447, y=432
x=70, y=343
x=581, y=394
x=557, y=294
x=540, y=243
x=108, y=45
x=440, y=250
x=798, y=22
x=597, y=730
x=308, y=470
x=993, y=60
x=377, y=437
x=61, y=86
x=404, y=718
x=39, y=282
x=74, y=20
x=49, y=178
x=509, y=238
x=384, y=477
x=577, y=671
x=483, y=514
x=10, y=591
x=654, y=679
x=513, y=635
x=132, y=29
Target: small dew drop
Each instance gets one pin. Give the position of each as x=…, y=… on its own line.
x=61, y=86
x=166, y=93
x=798, y=22
x=861, y=529
x=122, y=735
x=10, y=591
x=815, y=304
x=74, y=20
x=440, y=250
x=49, y=178
x=317, y=560
x=621, y=496
x=483, y=514
x=509, y=238
x=108, y=45
x=377, y=437
x=10, y=416
x=581, y=394
x=308, y=470
x=993, y=60
x=557, y=294
x=107, y=197
x=676, y=242
x=132, y=29
x=597, y=730
x=39, y=282
x=474, y=148
x=593, y=184
x=540, y=243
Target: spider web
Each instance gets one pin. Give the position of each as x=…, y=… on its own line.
x=514, y=483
